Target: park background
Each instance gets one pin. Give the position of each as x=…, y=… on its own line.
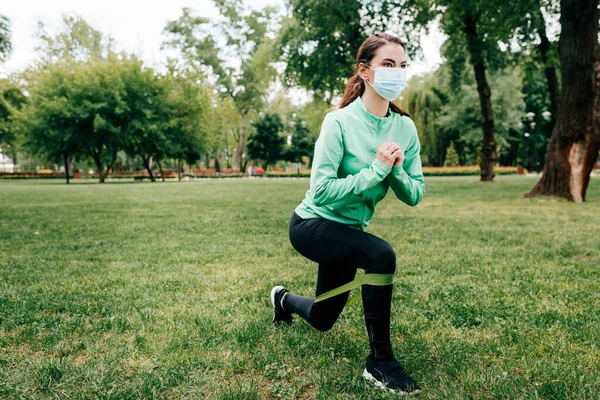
x=160, y=290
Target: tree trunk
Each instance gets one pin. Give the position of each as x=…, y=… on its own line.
x=147, y=161
x=179, y=165
x=575, y=140
x=217, y=164
x=162, y=174
x=207, y=160
x=110, y=166
x=245, y=165
x=549, y=70
x=14, y=160
x=66, y=159
x=99, y=165
x=239, y=149
x=488, y=144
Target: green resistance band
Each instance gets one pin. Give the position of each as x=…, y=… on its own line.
x=368, y=279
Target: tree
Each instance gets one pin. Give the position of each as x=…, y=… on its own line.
x=75, y=40
x=302, y=144
x=102, y=110
x=451, y=157
x=445, y=114
x=266, y=143
x=460, y=118
x=319, y=44
x=144, y=108
x=12, y=100
x=573, y=148
x=538, y=52
x=5, y=42
x=243, y=34
x=472, y=28
x=49, y=120
x=423, y=99
x=79, y=107
x=186, y=120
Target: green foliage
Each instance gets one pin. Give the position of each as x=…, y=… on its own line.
x=527, y=32
x=423, y=99
x=408, y=19
x=12, y=100
x=5, y=42
x=493, y=21
x=319, y=45
x=313, y=113
x=205, y=46
x=97, y=108
x=302, y=143
x=443, y=114
x=266, y=143
x=50, y=120
x=75, y=40
x=186, y=119
x=451, y=157
x=144, y=97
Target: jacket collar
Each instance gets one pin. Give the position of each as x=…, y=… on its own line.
x=372, y=120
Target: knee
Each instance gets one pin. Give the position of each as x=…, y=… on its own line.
x=383, y=260
x=323, y=316
x=323, y=326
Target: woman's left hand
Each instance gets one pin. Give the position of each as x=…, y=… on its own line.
x=399, y=157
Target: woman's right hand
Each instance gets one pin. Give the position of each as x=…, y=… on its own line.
x=386, y=153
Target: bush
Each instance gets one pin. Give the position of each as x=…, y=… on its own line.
x=465, y=171
x=287, y=174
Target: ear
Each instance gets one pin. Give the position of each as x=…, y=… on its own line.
x=363, y=71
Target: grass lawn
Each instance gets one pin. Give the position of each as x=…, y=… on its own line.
x=141, y=290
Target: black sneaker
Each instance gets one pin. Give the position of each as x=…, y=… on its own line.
x=281, y=315
x=390, y=375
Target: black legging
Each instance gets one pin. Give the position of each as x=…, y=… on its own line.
x=340, y=250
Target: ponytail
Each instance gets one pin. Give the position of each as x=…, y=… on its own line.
x=354, y=88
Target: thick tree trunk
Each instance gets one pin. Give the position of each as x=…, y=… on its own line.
x=66, y=160
x=488, y=144
x=147, y=162
x=207, y=160
x=549, y=70
x=575, y=141
x=179, y=164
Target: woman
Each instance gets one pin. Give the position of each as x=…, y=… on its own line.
x=366, y=146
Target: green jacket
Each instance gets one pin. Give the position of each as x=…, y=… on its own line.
x=346, y=180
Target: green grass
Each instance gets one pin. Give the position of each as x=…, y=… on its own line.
x=143, y=290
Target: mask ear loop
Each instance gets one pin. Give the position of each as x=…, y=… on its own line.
x=368, y=66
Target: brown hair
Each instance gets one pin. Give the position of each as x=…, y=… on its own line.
x=356, y=86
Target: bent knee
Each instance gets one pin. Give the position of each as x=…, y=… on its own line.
x=383, y=260
x=323, y=326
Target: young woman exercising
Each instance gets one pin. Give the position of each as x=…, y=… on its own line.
x=365, y=147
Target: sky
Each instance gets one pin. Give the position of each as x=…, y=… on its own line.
x=135, y=25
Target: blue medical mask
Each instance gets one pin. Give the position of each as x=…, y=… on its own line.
x=389, y=82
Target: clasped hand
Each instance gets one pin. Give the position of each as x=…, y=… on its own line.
x=390, y=154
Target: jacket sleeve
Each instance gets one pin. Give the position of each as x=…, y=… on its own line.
x=406, y=180
x=326, y=187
